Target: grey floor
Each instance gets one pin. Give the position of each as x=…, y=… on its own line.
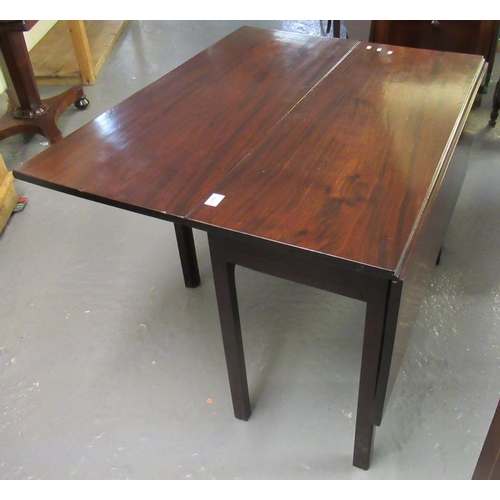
x=111, y=369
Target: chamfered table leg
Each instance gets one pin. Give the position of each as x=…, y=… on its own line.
x=375, y=324
x=496, y=105
x=225, y=289
x=187, y=253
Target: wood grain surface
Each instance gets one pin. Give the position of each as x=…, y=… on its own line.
x=165, y=148
x=333, y=160
x=351, y=170
x=330, y=145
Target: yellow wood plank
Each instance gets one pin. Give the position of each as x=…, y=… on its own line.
x=83, y=53
x=102, y=37
x=8, y=194
x=54, y=60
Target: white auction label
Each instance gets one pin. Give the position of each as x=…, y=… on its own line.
x=215, y=199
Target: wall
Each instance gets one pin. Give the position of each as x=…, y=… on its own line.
x=358, y=30
x=33, y=36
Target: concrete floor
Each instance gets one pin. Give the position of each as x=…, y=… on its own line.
x=111, y=369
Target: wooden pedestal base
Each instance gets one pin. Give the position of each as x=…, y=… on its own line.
x=28, y=113
x=46, y=123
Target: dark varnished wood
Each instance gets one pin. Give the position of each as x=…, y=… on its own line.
x=300, y=266
x=187, y=254
x=496, y=105
x=353, y=194
x=27, y=112
x=16, y=57
x=182, y=134
x=161, y=151
x=467, y=37
x=44, y=124
x=419, y=264
x=488, y=463
x=225, y=287
x=392, y=305
x=335, y=160
x=351, y=170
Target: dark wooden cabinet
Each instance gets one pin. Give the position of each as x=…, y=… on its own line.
x=469, y=37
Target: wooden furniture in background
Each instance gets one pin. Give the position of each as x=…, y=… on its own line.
x=336, y=28
x=74, y=52
x=488, y=464
x=26, y=112
x=468, y=37
x=8, y=194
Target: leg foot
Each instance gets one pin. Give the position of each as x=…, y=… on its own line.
x=82, y=103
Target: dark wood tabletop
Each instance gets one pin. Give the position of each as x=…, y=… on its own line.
x=180, y=136
x=335, y=163
x=351, y=170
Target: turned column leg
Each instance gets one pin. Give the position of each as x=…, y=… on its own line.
x=20, y=73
